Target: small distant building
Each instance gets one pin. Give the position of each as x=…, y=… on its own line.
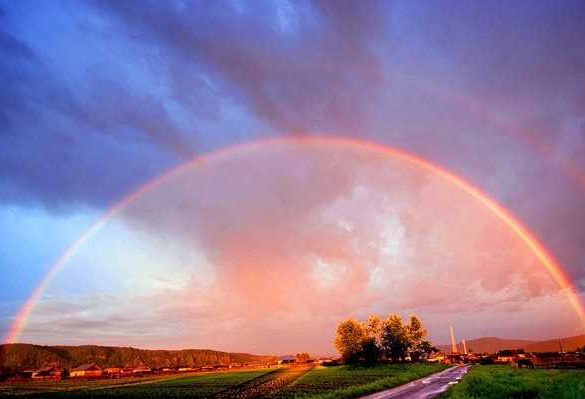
x=113, y=372
x=436, y=357
x=509, y=356
x=142, y=369
x=89, y=370
x=47, y=373
x=167, y=370
x=286, y=359
x=454, y=358
x=188, y=369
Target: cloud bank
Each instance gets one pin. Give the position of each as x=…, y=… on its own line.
x=280, y=243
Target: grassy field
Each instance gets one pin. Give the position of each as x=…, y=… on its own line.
x=316, y=383
x=487, y=382
x=193, y=386
x=352, y=382
x=69, y=384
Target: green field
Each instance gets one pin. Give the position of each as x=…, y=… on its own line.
x=352, y=382
x=194, y=386
x=487, y=382
x=330, y=382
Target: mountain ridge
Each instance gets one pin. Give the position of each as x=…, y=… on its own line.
x=494, y=344
x=30, y=356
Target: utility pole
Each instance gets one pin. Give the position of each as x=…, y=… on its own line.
x=453, y=342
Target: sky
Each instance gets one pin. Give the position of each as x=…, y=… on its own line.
x=266, y=248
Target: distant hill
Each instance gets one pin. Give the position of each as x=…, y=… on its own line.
x=552, y=345
x=493, y=344
x=489, y=344
x=28, y=356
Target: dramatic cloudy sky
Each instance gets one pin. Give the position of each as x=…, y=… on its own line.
x=265, y=249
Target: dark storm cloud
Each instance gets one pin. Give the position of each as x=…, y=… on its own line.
x=67, y=143
x=305, y=67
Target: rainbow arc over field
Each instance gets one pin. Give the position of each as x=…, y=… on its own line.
x=325, y=142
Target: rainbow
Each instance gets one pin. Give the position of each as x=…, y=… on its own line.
x=546, y=259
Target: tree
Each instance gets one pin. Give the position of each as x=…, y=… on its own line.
x=416, y=333
x=416, y=330
x=373, y=327
x=370, y=350
x=302, y=357
x=395, y=338
x=424, y=347
x=375, y=338
x=349, y=340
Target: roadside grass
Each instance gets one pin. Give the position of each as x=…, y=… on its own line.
x=487, y=382
x=193, y=386
x=346, y=382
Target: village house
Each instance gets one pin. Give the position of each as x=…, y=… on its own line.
x=186, y=369
x=113, y=372
x=142, y=369
x=167, y=370
x=47, y=373
x=509, y=356
x=89, y=370
x=286, y=359
x=454, y=358
x=436, y=357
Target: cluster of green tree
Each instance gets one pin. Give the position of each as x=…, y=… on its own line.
x=377, y=339
x=17, y=357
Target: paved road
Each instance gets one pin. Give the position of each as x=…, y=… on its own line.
x=425, y=388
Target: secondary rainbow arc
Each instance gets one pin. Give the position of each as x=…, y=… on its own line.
x=546, y=259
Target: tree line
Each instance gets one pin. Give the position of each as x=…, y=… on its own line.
x=377, y=339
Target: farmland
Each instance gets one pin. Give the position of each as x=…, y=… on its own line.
x=495, y=382
x=283, y=383
x=193, y=386
x=351, y=382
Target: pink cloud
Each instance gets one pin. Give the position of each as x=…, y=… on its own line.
x=298, y=237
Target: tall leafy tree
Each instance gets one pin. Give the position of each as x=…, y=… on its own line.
x=370, y=350
x=395, y=338
x=416, y=335
x=416, y=330
x=373, y=327
x=349, y=340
